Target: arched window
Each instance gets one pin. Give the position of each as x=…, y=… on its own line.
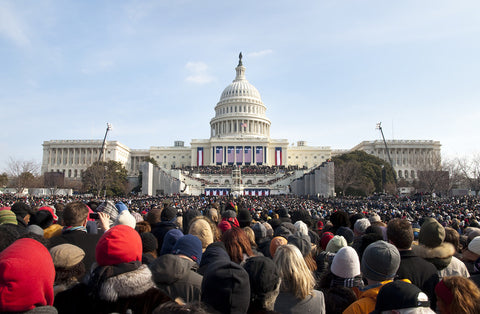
x=400, y=174
x=412, y=174
x=406, y=174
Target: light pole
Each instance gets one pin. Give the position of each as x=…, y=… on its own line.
x=109, y=127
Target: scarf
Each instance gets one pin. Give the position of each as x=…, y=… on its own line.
x=71, y=228
x=347, y=282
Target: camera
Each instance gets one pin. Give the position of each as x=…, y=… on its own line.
x=94, y=216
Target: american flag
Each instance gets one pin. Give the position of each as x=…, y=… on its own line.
x=243, y=125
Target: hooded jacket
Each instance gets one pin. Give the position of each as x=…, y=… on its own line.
x=177, y=277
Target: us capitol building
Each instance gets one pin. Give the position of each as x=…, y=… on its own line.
x=239, y=157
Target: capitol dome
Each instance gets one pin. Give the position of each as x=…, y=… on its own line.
x=240, y=111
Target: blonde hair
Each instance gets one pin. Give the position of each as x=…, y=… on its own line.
x=250, y=235
x=295, y=275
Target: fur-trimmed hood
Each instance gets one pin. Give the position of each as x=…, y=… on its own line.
x=127, y=285
x=440, y=256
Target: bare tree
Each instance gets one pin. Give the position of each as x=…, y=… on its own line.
x=348, y=175
x=470, y=172
x=432, y=176
x=22, y=173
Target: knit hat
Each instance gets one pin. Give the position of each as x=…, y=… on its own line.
x=432, y=233
x=171, y=237
x=125, y=218
x=269, y=229
x=120, y=244
x=301, y=227
x=319, y=225
x=35, y=230
x=52, y=211
x=226, y=287
x=361, y=225
x=190, y=246
x=346, y=264
x=27, y=275
x=229, y=214
x=244, y=218
x=224, y=225
x=474, y=245
x=283, y=212
x=263, y=274
x=149, y=242
x=66, y=255
x=138, y=217
x=7, y=217
x=347, y=233
x=380, y=261
x=201, y=228
x=120, y=206
x=275, y=243
x=260, y=231
x=109, y=208
x=335, y=244
x=399, y=295
x=168, y=213
x=282, y=231
x=302, y=243
x=326, y=237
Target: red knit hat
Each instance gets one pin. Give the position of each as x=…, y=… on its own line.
x=326, y=237
x=26, y=276
x=120, y=244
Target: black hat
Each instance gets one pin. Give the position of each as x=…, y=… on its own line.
x=149, y=242
x=244, y=218
x=347, y=233
x=263, y=274
x=168, y=213
x=42, y=218
x=226, y=287
x=400, y=295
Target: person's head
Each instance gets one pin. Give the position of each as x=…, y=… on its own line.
x=250, y=235
x=400, y=296
x=361, y=226
x=153, y=216
x=337, y=299
x=339, y=219
x=380, y=261
x=346, y=263
x=294, y=273
x=226, y=287
x=68, y=261
x=75, y=214
x=457, y=294
x=26, y=276
x=120, y=244
x=452, y=236
x=275, y=244
x=237, y=244
x=22, y=210
x=264, y=282
x=204, y=229
x=189, y=246
x=400, y=233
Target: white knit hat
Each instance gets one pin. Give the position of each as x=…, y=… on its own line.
x=361, y=225
x=346, y=263
x=335, y=244
x=301, y=227
x=125, y=218
x=474, y=245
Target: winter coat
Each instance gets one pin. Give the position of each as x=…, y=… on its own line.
x=367, y=300
x=455, y=268
x=86, y=241
x=443, y=259
x=133, y=290
x=287, y=303
x=420, y=272
x=177, y=277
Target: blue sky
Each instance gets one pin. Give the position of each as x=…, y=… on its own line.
x=327, y=71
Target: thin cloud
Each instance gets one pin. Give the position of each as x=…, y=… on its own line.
x=260, y=53
x=198, y=73
x=11, y=26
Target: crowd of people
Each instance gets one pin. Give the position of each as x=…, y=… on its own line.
x=276, y=254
